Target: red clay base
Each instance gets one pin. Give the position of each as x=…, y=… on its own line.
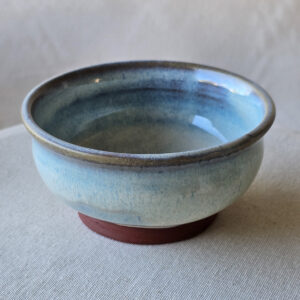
x=136, y=235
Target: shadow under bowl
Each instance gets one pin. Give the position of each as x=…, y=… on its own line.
x=148, y=146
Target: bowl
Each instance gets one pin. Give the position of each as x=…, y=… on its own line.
x=148, y=151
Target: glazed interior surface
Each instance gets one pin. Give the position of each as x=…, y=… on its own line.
x=149, y=110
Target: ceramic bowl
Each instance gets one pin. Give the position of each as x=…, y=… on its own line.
x=149, y=145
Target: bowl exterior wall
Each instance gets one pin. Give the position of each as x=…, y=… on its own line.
x=148, y=196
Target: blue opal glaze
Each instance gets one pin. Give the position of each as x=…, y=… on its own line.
x=160, y=196
x=148, y=144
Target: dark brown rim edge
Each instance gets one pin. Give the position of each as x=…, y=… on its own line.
x=145, y=160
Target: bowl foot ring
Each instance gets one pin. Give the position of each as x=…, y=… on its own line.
x=137, y=235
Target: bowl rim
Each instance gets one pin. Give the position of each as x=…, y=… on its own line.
x=144, y=160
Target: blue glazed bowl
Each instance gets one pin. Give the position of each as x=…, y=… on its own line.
x=150, y=144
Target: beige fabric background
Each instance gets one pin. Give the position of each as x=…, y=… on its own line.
x=252, y=251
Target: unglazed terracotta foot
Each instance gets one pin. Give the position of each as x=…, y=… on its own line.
x=138, y=235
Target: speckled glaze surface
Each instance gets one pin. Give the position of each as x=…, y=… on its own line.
x=148, y=144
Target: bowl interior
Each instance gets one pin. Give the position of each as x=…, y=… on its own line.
x=148, y=110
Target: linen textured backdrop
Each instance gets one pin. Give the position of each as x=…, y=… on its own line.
x=252, y=249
